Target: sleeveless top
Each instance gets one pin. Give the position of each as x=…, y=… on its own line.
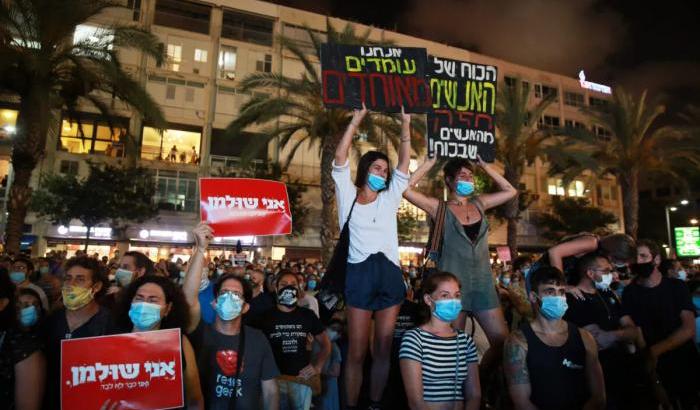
x=557, y=374
x=469, y=260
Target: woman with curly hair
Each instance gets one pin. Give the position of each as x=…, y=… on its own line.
x=153, y=303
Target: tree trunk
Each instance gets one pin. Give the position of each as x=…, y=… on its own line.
x=28, y=147
x=512, y=212
x=629, y=182
x=17, y=206
x=87, y=238
x=329, y=221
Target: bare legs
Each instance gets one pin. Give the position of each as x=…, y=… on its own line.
x=358, y=333
x=494, y=325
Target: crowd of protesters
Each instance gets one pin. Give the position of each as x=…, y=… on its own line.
x=592, y=323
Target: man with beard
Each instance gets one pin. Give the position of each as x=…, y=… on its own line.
x=664, y=310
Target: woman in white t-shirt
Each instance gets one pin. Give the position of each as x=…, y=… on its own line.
x=374, y=282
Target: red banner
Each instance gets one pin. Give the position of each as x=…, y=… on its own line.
x=245, y=206
x=136, y=370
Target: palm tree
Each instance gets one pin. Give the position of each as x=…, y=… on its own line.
x=519, y=143
x=297, y=116
x=47, y=72
x=637, y=148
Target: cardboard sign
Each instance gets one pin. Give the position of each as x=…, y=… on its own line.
x=245, y=206
x=384, y=78
x=139, y=370
x=463, y=122
x=503, y=253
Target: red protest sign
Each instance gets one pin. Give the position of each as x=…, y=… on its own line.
x=245, y=206
x=139, y=370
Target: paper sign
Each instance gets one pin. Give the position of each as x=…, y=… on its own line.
x=140, y=370
x=384, y=78
x=245, y=206
x=503, y=253
x=463, y=122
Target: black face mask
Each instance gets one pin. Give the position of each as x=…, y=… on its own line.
x=643, y=270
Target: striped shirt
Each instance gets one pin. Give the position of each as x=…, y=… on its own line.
x=443, y=380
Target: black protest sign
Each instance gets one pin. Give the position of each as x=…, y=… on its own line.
x=384, y=78
x=463, y=122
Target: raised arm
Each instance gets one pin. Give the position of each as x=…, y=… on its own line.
x=517, y=374
x=405, y=147
x=506, y=193
x=594, y=373
x=343, y=149
x=424, y=202
x=193, y=278
x=580, y=245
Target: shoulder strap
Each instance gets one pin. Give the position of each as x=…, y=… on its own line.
x=438, y=227
x=239, y=364
x=351, y=208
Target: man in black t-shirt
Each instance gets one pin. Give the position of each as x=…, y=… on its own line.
x=599, y=311
x=227, y=380
x=664, y=310
x=82, y=316
x=287, y=327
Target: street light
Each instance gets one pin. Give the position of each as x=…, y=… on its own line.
x=684, y=202
x=694, y=221
x=673, y=209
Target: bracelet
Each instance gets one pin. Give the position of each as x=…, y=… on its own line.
x=405, y=139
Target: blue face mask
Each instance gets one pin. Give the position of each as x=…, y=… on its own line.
x=311, y=284
x=553, y=307
x=696, y=302
x=447, y=310
x=465, y=188
x=228, y=306
x=17, y=277
x=375, y=182
x=29, y=316
x=144, y=315
x=123, y=277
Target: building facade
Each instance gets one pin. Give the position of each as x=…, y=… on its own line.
x=211, y=46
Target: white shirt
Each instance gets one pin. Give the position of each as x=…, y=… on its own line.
x=372, y=226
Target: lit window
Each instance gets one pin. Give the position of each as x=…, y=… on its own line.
x=200, y=55
x=93, y=137
x=173, y=146
x=174, y=56
x=555, y=187
x=227, y=63
x=93, y=36
x=8, y=122
x=577, y=189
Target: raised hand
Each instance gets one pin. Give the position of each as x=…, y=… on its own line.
x=405, y=118
x=358, y=115
x=203, y=235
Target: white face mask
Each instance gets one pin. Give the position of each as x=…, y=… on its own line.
x=605, y=281
x=682, y=275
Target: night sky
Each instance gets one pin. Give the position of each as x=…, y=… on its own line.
x=639, y=45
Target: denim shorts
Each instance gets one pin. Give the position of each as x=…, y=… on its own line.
x=374, y=284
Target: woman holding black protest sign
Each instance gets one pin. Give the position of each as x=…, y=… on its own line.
x=374, y=283
x=465, y=245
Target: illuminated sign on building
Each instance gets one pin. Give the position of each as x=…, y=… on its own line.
x=159, y=234
x=76, y=230
x=593, y=86
x=687, y=241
